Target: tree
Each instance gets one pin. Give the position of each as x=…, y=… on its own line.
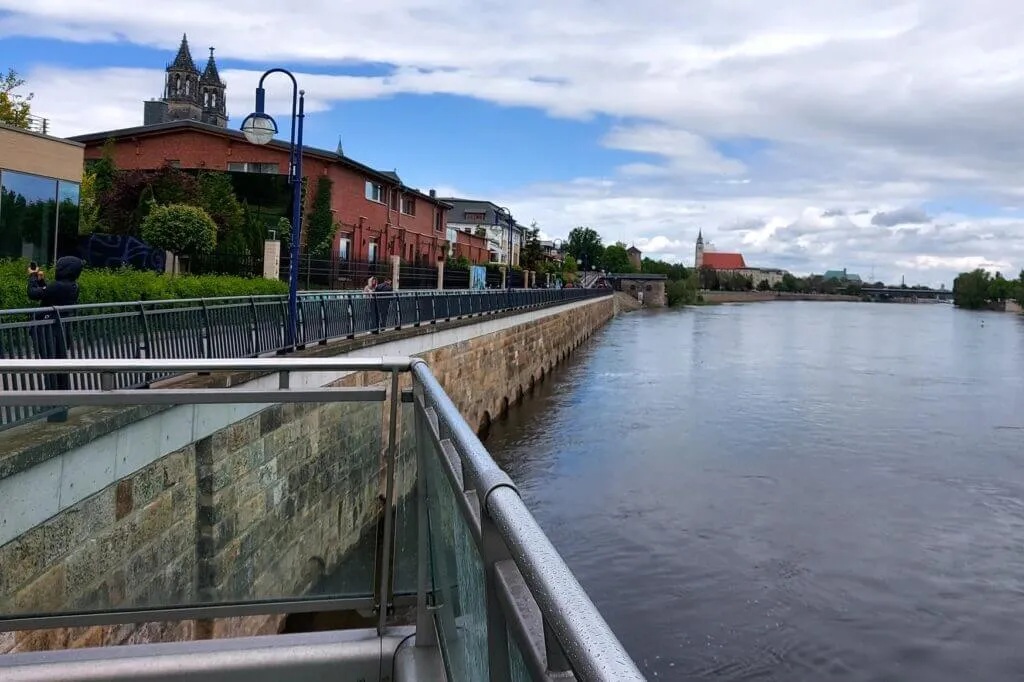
x=585, y=246
x=105, y=170
x=763, y=285
x=15, y=109
x=616, y=259
x=708, y=278
x=673, y=271
x=480, y=231
x=971, y=289
x=125, y=205
x=682, y=291
x=217, y=198
x=88, y=206
x=180, y=229
x=532, y=256
x=320, y=224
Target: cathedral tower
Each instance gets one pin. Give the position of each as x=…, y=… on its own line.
x=182, y=91
x=698, y=255
x=212, y=91
x=188, y=94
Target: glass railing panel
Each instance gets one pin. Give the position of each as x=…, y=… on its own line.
x=517, y=670
x=406, y=517
x=181, y=505
x=458, y=577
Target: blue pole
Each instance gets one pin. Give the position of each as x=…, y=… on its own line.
x=293, y=262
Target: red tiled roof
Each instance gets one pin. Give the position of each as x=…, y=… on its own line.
x=719, y=260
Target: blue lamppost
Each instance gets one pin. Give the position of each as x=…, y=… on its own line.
x=259, y=128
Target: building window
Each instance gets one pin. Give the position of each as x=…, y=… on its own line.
x=394, y=196
x=438, y=220
x=67, y=218
x=28, y=216
x=375, y=191
x=345, y=247
x=408, y=205
x=371, y=254
x=452, y=235
x=252, y=167
x=475, y=216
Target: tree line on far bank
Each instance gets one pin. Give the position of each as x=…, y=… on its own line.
x=978, y=289
x=586, y=247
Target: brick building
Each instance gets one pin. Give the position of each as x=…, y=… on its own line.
x=376, y=214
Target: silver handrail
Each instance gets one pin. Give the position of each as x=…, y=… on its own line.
x=588, y=642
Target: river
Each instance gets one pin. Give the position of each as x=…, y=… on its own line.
x=796, y=491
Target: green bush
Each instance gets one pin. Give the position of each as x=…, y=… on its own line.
x=113, y=286
x=179, y=228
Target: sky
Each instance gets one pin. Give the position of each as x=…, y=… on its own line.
x=881, y=136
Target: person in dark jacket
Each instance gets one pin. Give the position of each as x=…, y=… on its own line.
x=49, y=338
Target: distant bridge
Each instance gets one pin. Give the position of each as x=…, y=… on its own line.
x=892, y=293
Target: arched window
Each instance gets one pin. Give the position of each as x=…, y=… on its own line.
x=188, y=84
x=177, y=84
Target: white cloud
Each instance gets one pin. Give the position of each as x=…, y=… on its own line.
x=866, y=106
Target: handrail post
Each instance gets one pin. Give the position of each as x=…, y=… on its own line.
x=255, y=326
x=146, y=350
x=426, y=635
x=387, y=546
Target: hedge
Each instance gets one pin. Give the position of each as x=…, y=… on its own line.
x=112, y=286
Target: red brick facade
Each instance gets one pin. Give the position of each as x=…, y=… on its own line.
x=407, y=223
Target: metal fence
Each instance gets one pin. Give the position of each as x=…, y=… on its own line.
x=236, y=327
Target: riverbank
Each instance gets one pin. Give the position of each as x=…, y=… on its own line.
x=757, y=296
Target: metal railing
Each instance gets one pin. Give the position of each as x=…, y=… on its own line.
x=225, y=328
x=490, y=591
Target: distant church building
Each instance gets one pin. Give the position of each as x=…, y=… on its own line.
x=188, y=94
x=732, y=264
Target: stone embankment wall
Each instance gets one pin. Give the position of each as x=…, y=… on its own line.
x=199, y=503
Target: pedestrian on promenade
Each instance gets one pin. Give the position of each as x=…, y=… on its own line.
x=383, y=288
x=371, y=286
x=49, y=337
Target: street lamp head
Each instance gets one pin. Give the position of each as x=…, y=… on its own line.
x=259, y=128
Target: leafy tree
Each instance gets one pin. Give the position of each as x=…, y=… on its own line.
x=88, y=205
x=105, y=169
x=180, y=229
x=616, y=259
x=15, y=109
x=763, y=285
x=673, y=271
x=480, y=231
x=125, y=205
x=532, y=255
x=320, y=224
x=585, y=246
x=708, y=278
x=217, y=197
x=569, y=265
x=999, y=289
x=971, y=289
x=682, y=291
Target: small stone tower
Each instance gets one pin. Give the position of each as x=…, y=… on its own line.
x=634, y=257
x=698, y=255
x=212, y=92
x=182, y=91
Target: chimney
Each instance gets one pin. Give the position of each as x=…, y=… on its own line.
x=433, y=194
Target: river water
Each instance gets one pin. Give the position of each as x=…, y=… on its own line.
x=795, y=491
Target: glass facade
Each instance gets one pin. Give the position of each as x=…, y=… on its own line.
x=35, y=214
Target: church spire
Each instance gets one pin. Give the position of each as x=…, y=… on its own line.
x=210, y=74
x=700, y=236
x=183, y=60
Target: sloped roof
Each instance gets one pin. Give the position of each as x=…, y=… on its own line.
x=719, y=260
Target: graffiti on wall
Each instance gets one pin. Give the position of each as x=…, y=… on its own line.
x=118, y=250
